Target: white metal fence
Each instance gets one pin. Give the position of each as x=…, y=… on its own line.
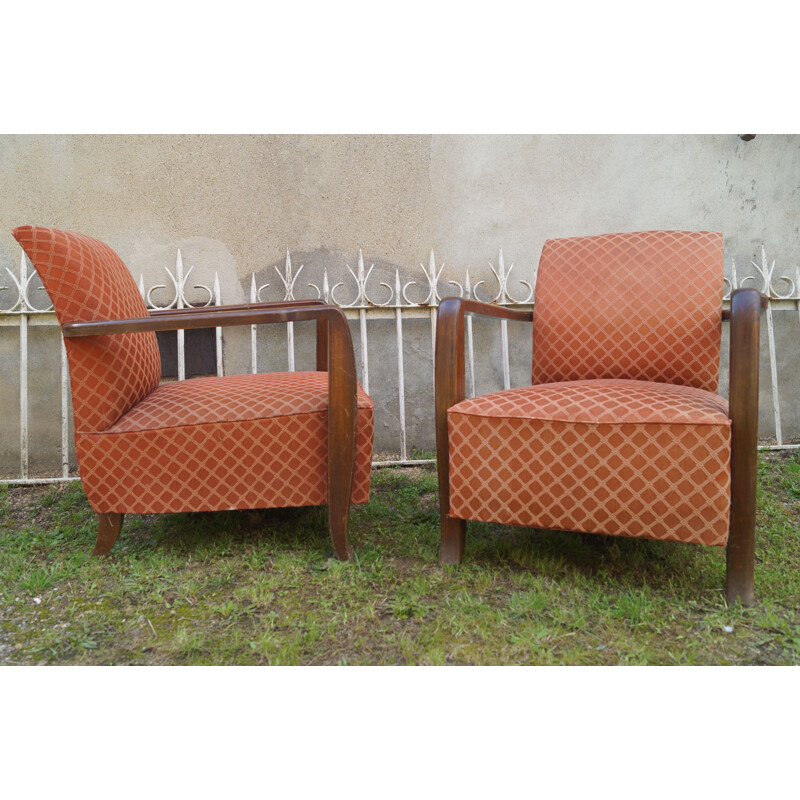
x=384, y=301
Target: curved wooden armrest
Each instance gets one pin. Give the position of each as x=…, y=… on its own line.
x=159, y=312
x=225, y=316
x=460, y=305
x=726, y=312
x=219, y=317
x=449, y=364
x=746, y=305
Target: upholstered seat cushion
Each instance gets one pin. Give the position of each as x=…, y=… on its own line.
x=625, y=457
x=243, y=441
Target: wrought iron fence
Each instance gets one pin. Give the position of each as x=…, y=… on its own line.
x=393, y=303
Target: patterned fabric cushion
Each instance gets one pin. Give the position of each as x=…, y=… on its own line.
x=643, y=306
x=86, y=281
x=231, y=399
x=624, y=457
x=244, y=441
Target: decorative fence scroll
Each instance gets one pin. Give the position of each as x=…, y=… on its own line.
x=370, y=299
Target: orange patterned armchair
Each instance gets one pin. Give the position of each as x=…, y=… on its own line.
x=622, y=431
x=205, y=444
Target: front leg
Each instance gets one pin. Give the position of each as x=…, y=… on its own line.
x=109, y=526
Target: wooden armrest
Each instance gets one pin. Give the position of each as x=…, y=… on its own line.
x=224, y=316
x=746, y=305
x=449, y=366
x=726, y=312
x=238, y=307
x=326, y=317
x=460, y=306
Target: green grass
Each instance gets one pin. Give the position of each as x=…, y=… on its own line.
x=261, y=587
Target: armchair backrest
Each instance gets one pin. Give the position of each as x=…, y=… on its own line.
x=641, y=306
x=87, y=281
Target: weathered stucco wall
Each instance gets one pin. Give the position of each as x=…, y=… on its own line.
x=235, y=204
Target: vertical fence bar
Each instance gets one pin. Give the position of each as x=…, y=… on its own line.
x=288, y=284
x=23, y=368
x=503, y=298
x=433, y=301
x=504, y=342
x=253, y=345
x=290, y=345
x=797, y=288
x=218, y=331
x=64, y=411
x=433, y=341
x=470, y=347
x=401, y=388
x=180, y=332
x=362, y=315
x=773, y=368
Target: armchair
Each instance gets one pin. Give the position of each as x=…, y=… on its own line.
x=621, y=431
x=204, y=444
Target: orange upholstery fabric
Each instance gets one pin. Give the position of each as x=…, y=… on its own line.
x=623, y=457
x=86, y=280
x=642, y=306
x=244, y=441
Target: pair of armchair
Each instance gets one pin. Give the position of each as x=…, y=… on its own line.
x=621, y=431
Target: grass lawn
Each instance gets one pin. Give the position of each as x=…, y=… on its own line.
x=262, y=588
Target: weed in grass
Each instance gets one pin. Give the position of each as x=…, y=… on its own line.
x=37, y=580
x=50, y=498
x=791, y=478
x=633, y=606
x=83, y=637
x=186, y=642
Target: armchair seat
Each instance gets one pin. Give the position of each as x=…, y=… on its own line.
x=243, y=441
x=624, y=457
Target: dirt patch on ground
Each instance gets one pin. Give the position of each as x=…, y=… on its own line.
x=24, y=502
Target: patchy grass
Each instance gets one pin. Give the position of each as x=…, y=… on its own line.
x=262, y=588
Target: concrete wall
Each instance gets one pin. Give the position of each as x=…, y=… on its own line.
x=235, y=204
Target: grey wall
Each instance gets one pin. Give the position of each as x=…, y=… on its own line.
x=246, y=199
x=234, y=204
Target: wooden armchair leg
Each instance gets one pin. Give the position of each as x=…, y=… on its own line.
x=740, y=555
x=109, y=526
x=342, y=425
x=337, y=526
x=454, y=537
x=740, y=567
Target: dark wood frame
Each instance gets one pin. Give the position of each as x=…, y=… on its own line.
x=334, y=355
x=745, y=319
x=744, y=316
